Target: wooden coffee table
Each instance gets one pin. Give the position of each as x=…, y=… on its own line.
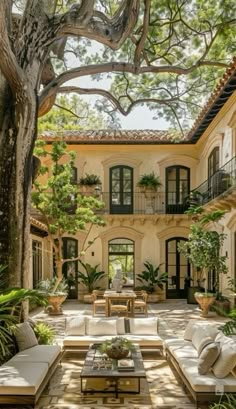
x=96, y=367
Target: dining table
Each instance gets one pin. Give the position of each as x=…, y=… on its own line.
x=127, y=296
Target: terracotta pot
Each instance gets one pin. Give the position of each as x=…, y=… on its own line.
x=55, y=302
x=205, y=302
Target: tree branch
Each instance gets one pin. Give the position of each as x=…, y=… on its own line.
x=141, y=42
x=52, y=88
x=83, y=20
x=8, y=63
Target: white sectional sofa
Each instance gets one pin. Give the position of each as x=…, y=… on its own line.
x=205, y=360
x=84, y=330
x=23, y=377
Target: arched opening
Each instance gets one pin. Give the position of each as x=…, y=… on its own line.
x=121, y=256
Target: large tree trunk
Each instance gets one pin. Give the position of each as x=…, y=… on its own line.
x=17, y=135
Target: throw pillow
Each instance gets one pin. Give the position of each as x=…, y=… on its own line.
x=194, y=325
x=25, y=336
x=144, y=326
x=75, y=325
x=226, y=361
x=200, y=339
x=208, y=357
x=98, y=326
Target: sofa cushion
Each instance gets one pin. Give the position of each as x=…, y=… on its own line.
x=21, y=378
x=84, y=341
x=25, y=336
x=200, y=339
x=100, y=326
x=144, y=340
x=204, y=383
x=144, y=326
x=208, y=357
x=76, y=325
x=40, y=353
x=226, y=361
x=193, y=325
x=180, y=348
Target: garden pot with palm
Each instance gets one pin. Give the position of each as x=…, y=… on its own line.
x=55, y=297
x=88, y=280
x=153, y=281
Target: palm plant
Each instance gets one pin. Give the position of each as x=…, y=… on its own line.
x=152, y=277
x=90, y=277
x=10, y=315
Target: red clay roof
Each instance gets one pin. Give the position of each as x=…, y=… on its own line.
x=118, y=136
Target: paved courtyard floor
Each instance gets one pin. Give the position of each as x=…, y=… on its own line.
x=162, y=389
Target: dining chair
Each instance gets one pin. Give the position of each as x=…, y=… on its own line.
x=119, y=308
x=140, y=303
x=98, y=301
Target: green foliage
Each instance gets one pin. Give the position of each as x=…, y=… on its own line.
x=90, y=180
x=72, y=113
x=203, y=248
x=90, y=276
x=63, y=208
x=44, y=333
x=10, y=315
x=152, y=277
x=150, y=180
x=47, y=287
x=228, y=401
x=119, y=342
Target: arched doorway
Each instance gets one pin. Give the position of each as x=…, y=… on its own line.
x=121, y=256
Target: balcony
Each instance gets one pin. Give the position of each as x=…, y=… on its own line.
x=221, y=185
x=137, y=203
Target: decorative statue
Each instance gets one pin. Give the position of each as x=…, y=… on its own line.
x=117, y=280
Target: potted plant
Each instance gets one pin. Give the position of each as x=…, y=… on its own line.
x=89, y=182
x=203, y=250
x=153, y=281
x=149, y=183
x=117, y=347
x=55, y=297
x=89, y=278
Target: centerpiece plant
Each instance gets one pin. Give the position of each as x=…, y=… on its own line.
x=117, y=347
x=63, y=209
x=204, y=251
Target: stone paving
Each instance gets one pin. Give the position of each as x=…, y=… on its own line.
x=165, y=390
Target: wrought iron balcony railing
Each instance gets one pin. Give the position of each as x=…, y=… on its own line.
x=223, y=180
x=137, y=203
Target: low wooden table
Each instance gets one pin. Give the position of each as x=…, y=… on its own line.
x=114, y=378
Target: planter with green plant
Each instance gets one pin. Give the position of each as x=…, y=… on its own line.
x=148, y=184
x=89, y=281
x=44, y=332
x=89, y=183
x=117, y=347
x=153, y=282
x=203, y=250
x=55, y=297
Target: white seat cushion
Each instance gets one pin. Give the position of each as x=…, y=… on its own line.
x=145, y=340
x=85, y=340
x=101, y=326
x=204, y=383
x=76, y=325
x=181, y=349
x=40, y=353
x=21, y=378
x=144, y=326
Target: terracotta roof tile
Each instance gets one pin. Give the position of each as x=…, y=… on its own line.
x=229, y=73
x=114, y=136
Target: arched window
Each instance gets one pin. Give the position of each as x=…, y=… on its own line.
x=178, y=269
x=121, y=190
x=177, y=189
x=121, y=256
